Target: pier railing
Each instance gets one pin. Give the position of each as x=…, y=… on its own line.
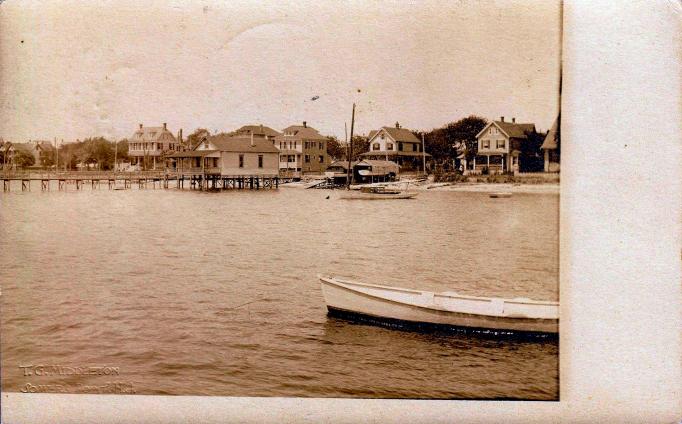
x=84, y=175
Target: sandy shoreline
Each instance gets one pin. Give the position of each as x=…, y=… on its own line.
x=492, y=187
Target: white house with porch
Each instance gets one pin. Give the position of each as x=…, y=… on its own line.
x=499, y=146
x=149, y=145
x=228, y=156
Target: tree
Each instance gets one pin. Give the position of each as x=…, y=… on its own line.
x=24, y=158
x=462, y=135
x=335, y=149
x=196, y=137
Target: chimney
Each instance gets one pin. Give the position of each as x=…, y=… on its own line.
x=305, y=124
x=164, y=126
x=397, y=124
x=502, y=118
x=513, y=120
x=140, y=126
x=252, y=144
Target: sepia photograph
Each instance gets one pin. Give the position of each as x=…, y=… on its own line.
x=281, y=199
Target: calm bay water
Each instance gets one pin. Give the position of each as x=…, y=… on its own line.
x=195, y=293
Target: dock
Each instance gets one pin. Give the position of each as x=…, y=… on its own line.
x=141, y=180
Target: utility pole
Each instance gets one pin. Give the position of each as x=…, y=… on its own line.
x=423, y=153
x=56, y=153
x=349, y=177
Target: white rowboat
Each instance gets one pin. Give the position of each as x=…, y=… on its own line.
x=390, y=304
x=377, y=193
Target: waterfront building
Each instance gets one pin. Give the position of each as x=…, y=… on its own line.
x=227, y=155
x=337, y=171
x=500, y=144
x=374, y=171
x=149, y=146
x=550, y=148
x=302, y=150
x=398, y=145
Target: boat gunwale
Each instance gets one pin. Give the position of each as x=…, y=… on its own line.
x=442, y=294
x=440, y=311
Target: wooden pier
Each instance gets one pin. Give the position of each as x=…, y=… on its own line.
x=142, y=180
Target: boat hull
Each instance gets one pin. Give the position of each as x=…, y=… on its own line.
x=357, y=195
x=376, y=303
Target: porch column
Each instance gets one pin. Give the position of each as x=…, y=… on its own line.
x=546, y=160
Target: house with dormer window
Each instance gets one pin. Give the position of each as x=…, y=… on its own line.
x=149, y=145
x=500, y=144
x=398, y=145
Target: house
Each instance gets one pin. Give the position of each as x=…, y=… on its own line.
x=40, y=150
x=302, y=150
x=258, y=131
x=398, y=145
x=373, y=171
x=550, y=148
x=227, y=155
x=7, y=150
x=500, y=145
x=149, y=146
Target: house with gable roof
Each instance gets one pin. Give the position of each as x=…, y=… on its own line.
x=398, y=145
x=228, y=155
x=302, y=150
x=258, y=131
x=500, y=144
x=551, y=148
x=149, y=145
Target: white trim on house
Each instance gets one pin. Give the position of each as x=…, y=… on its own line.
x=487, y=126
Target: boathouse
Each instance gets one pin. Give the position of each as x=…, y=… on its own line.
x=374, y=171
x=337, y=171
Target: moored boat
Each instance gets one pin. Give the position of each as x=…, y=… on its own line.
x=500, y=195
x=377, y=193
x=370, y=302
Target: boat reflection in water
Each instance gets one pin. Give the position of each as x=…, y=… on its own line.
x=400, y=307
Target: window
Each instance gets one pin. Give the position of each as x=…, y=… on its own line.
x=321, y=158
x=375, y=146
x=383, y=136
x=414, y=147
x=500, y=144
x=260, y=161
x=307, y=158
x=400, y=146
x=389, y=146
x=485, y=144
x=241, y=161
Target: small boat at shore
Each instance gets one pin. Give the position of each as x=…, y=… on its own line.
x=501, y=195
x=377, y=193
x=393, y=305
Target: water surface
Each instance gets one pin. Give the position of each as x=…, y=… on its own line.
x=195, y=293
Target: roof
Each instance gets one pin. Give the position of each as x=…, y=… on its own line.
x=377, y=163
x=258, y=130
x=150, y=134
x=300, y=133
x=394, y=153
x=226, y=143
x=510, y=129
x=551, y=137
x=289, y=152
x=192, y=154
x=342, y=164
x=398, y=134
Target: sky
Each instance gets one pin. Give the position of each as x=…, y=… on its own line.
x=76, y=69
